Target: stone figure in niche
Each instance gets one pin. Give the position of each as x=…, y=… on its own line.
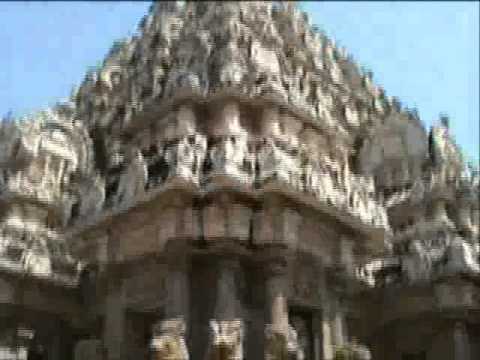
x=159, y=74
x=186, y=156
x=279, y=164
x=311, y=177
x=326, y=190
x=266, y=67
x=230, y=156
x=92, y=196
x=231, y=64
x=226, y=341
x=444, y=155
x=168, y=341
x=132, y=180
x=417, y=264
x=36, y=263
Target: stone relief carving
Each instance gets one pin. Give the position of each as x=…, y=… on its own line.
x=92, y=196
x=133, y=180
x=168, y=341
x=230, y=155
x=418, y=265
x=280, y=163
x=185, y=157
x=226, y=341
x=281, y=345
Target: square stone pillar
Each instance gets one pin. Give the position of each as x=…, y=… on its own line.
x=178, y=290
x=227, y=306
x=281, y=340
x=333, y=329
x=168, y=341
x=276, y=285
x=317, y=335
x=461, y=341
x=114, y=326
x=227, y=327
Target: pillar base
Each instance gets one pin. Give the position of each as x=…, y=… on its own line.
x=168, y=342
x=282, y=344
x=226, y=339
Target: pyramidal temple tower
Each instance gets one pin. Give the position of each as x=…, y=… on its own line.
x=229, y=185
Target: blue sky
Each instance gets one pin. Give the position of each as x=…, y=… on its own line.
x=426, y=53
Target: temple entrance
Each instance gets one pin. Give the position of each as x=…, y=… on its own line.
x=302, y=322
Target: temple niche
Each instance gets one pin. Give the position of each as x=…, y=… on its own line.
x=230, y=185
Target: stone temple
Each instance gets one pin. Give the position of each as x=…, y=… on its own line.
x=230, y=185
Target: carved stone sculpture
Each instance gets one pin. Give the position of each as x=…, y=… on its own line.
x=281, y=345
x=230, y=156
x=92, y=196
x=168, y=341
x=226, y=341
x=133, y=180
x=417, y=265
x=185, y=157
x=276, y=163
x=38, y=264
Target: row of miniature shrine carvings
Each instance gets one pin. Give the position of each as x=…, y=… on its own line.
x=196, y=159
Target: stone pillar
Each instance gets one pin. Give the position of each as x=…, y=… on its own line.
x=177, y=304
x=226, y=307
x=226, y=329
x=338, y=327
x=114, y=327
x=276, y=285
x=333, y=329
x=327, y=342
x=168, y=340
x=460, y=341
x=317, y=335
x=280, y=338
